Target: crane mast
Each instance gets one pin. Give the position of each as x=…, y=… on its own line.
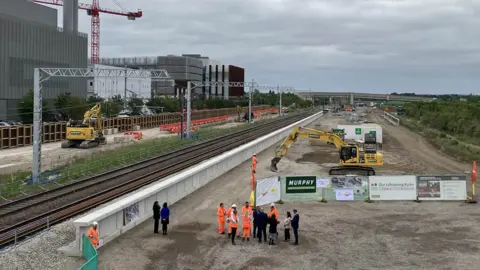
x=94, y=11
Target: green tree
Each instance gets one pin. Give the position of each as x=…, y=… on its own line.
x=25, y=108
x=135, y=104
x=71, y=107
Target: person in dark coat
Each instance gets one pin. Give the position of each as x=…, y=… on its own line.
x=262, y=220
x=272, y=230
x=156, y=216
x=255, y=215
x=165, y=216
x=295, y=225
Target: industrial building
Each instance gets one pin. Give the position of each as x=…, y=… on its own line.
x=107, y=87
x=187, y=67
x=180, y=68
x=29, y=38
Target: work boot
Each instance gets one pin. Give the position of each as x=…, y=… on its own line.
x=248, y=239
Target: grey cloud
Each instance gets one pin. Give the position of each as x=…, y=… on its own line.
x=364, y=45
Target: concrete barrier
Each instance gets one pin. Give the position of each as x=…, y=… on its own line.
x=119, y=217
x=390, y=118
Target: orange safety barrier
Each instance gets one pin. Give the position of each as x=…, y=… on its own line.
x=175, y=127
x=137, y=135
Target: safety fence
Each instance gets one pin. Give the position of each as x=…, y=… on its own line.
x=366, y=188
x=390, y=118
x=90, y=254
x=18, y=136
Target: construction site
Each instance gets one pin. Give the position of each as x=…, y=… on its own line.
x=84, y=191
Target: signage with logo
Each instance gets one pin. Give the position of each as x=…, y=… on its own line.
x=301, y=184
x=399, y=187
x=442, y=187
x=344, y=195
x=75, y=132
x=314, y=136
x=358, y=131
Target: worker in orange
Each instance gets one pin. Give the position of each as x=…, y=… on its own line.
x=253, y=181
x=233, y=220
x=254, y=163
x=229, y=213
x=92, y=234
x=246, y=221
x=221, y=213
x=273, y=210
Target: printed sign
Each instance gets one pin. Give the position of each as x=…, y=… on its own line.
x=358, y=131
x=130, y=213
x=442, y=187
x=344, y=194
x=300, y=184
x=267, y=191
x=323, y=182
x=357, y=183
x=401, y=187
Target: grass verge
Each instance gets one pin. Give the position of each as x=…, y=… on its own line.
x=20, y=182
x=448, y=144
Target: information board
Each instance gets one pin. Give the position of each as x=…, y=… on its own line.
x=389, y=188
x=442, y=187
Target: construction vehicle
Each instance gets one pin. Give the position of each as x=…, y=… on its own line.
x=87, y=133
x=353, y=158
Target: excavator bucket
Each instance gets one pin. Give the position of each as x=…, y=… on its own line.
x=273, y=165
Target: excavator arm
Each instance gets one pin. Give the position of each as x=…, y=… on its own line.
x=94, y=111
x=306, y=133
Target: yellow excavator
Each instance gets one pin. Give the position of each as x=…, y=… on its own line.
x=354, y=159
x=87, y=133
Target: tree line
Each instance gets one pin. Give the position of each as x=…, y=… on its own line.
x=67, y=106
x=456, y=118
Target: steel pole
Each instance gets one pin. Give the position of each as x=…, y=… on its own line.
x=250, y=102
x=125, y=104
x=189, y=108
x=280, y=93
x=37, y=126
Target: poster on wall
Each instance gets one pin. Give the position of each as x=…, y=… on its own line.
x=401, y=187
x=323, y=182
x=130, y=213
x=358, y=184
x=344, y=194
x=267, y=191
x=442, y=187
x=300, y=184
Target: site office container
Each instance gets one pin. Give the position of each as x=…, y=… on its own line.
x=357, y=132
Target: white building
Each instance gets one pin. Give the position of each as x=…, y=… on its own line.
x=107, y=87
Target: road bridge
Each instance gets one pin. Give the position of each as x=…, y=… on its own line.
x=361, y=96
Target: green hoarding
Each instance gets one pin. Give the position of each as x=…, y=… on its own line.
x=300, y=184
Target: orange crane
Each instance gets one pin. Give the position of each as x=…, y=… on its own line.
x=94, y=11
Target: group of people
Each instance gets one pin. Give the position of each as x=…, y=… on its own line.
x=162, y=213
x=260, y=221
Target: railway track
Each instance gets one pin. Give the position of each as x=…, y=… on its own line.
x=30, y=214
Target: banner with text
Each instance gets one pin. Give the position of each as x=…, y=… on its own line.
x=267, y=191
x=442, y=187
x=390, y=187
x=302, y=188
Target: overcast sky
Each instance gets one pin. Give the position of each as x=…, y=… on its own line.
x=378, y=46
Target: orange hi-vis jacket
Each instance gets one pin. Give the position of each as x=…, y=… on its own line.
x=233, y=221
x=254, y=163
x=274, y=211
x=246, y=216
x=229, y=212
x=221, y=214
x=92, y=234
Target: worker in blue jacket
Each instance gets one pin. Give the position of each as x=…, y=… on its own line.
x=255, y=215
x=261, y=222
x=295, y=224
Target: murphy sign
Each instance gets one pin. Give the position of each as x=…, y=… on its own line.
x=300, y=184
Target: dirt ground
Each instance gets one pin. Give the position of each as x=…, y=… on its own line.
x=335, y=235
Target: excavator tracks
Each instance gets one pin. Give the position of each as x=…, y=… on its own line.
x=351, y=170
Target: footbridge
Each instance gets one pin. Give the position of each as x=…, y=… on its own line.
x=351, y=96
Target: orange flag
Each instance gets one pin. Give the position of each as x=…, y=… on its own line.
x=474, y=172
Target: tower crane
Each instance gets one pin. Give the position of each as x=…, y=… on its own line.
x=94, y=11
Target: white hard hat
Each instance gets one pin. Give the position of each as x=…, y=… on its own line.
x=272, y=205
x=254, y=154
x=234, y=205
x=95, y=223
